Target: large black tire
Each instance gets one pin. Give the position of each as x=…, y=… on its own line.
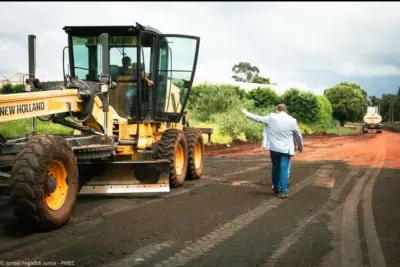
x=195, y=143
x=173, y=144
x=42, y=157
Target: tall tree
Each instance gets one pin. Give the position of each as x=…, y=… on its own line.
x=349, y=102
x=260, y=80
x=244, y=72
x=386, y=107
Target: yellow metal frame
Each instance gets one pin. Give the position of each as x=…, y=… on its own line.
x=28, y=105
x=34, y=104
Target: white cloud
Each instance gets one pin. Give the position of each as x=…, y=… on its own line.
x=300, y=44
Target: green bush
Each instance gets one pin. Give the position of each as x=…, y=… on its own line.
x=253, y=131
x=301, y=105
x=305, y=129
x=8, y=88
x=324, y=119
x=207, y=100
x=231, y=123
x=221, y=105
x=264, y=97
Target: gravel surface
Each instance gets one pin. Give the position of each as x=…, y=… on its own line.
x=341, y=211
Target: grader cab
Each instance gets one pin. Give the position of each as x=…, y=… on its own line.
x=124, y=98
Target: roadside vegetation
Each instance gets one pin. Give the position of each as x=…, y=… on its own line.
x=338, y=111
x=19, y=128
x=393, y=127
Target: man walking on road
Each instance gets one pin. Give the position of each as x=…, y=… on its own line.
x=279, y=129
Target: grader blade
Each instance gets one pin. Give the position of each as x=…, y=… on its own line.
x=127, y=177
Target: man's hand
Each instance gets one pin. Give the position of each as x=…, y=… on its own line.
x=150, y=82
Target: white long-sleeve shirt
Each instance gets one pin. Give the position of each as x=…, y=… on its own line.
x=279, y=129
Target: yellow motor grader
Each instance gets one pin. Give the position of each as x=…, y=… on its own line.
x=123, y=96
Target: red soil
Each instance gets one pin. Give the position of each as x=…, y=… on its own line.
x=359, y=149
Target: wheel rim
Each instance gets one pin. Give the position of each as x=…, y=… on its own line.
x=58, y=173
x=179, y=159
x=197, y=155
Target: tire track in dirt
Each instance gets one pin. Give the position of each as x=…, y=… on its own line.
x=333, y=258
x=141, y=255
x=209, y=241
x=376, y=257
x=32, y=247
x=294, y=237
x=350, y=244
x=375, y=252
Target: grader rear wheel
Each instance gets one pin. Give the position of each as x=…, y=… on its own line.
x=173, y=146
x=44, y=182
x=195, y=143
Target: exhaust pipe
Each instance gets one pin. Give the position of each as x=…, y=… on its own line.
x=32, y=81
x=105, y=78
x=32, y=55
x=106, y=60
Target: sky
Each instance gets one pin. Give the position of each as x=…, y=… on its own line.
x=311, y=46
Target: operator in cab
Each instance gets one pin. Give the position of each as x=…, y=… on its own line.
x=130, y=97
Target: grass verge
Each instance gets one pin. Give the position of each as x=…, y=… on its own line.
x=19, y=128
x=219, y=138
x=216, y=137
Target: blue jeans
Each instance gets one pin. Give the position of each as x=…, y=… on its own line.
x=280, y=171
x=130, y=100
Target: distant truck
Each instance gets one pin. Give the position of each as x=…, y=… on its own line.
x=372, y=120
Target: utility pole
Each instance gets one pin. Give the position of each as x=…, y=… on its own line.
x=391, y=112
x=379, y=107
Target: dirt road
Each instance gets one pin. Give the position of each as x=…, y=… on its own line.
x=342, y=211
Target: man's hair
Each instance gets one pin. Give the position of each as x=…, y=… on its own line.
x=126, y=59
x=281, y=107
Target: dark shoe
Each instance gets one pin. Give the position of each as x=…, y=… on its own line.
x=284, y=196
x=276, y=191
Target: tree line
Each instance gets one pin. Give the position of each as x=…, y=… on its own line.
x=389, y=105
x=222, y=104
x=349, y=100
x=344, y=102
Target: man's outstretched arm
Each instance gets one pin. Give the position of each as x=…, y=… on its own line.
x=256, y=118
x=297, y=135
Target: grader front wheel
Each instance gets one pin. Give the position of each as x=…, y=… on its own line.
x=44, y=182
x=195, y=143
x=173, y=146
